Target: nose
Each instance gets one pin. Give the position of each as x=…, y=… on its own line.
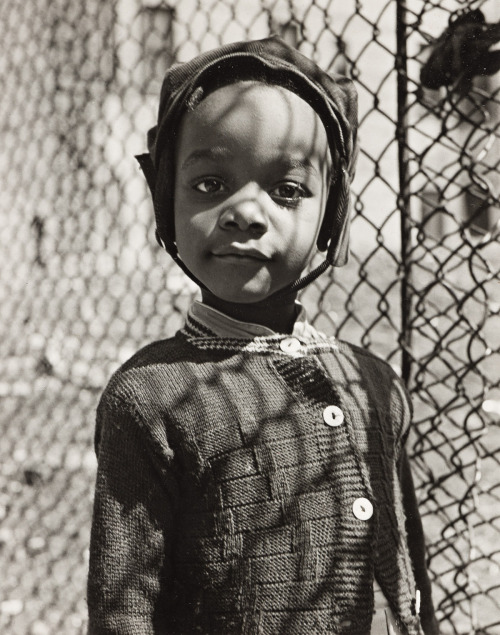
x=245, y=211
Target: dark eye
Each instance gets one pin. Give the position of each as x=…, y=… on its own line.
x=289, y=191
x=210, y=186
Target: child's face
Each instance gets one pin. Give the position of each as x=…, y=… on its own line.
x=252, y=174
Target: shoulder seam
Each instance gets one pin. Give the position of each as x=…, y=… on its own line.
x=365, y=352
x=128, y=402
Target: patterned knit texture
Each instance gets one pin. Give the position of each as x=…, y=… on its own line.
x=224, y=503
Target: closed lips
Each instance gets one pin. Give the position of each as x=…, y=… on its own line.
x=241, y=253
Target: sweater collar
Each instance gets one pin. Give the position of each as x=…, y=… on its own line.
x=209, y=329
x=222, y=325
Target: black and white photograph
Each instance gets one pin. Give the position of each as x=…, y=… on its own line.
x=250, y=317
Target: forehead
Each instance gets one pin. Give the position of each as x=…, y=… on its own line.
x=253, y=115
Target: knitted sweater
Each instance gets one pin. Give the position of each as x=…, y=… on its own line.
x=253, y=487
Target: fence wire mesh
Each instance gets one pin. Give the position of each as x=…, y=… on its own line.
x=83, y=284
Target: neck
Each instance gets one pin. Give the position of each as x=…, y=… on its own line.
x=278, y=315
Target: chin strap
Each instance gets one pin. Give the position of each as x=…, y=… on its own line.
x=301, y=283
x=174, y=254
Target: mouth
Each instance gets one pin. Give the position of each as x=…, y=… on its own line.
x=232, y=253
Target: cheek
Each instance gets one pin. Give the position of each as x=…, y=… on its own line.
x=299, y=245
x=184, y=217
x=183, y=227
x=192, y=233
x=317, y=215
x=307, y=229
x=197, y=224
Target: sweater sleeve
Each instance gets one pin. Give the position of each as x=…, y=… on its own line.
x=130, y=571
x=416, y=544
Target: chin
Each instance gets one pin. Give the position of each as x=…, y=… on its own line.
x=241, y=295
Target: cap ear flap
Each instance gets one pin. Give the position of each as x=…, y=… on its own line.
x=338, y=253
x=147, y=166
x=334, y=233
x=146, y=163
x=325, y=233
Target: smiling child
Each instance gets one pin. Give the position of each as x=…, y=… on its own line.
x=252, y=475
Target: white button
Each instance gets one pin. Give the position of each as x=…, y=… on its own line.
x=417, y=602
x=290, y=345
x=333, y=416
x=362, y=508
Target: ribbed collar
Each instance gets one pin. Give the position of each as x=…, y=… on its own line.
x=222, y=325
x=209, y=329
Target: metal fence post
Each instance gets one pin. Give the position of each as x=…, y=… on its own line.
x=403, y=198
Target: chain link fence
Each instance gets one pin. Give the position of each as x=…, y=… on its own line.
x=83, y=284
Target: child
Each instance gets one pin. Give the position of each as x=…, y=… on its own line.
x=252, y=475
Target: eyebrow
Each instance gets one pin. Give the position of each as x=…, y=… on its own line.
x=303, y=164
x=212, y=154
x=221, y=153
